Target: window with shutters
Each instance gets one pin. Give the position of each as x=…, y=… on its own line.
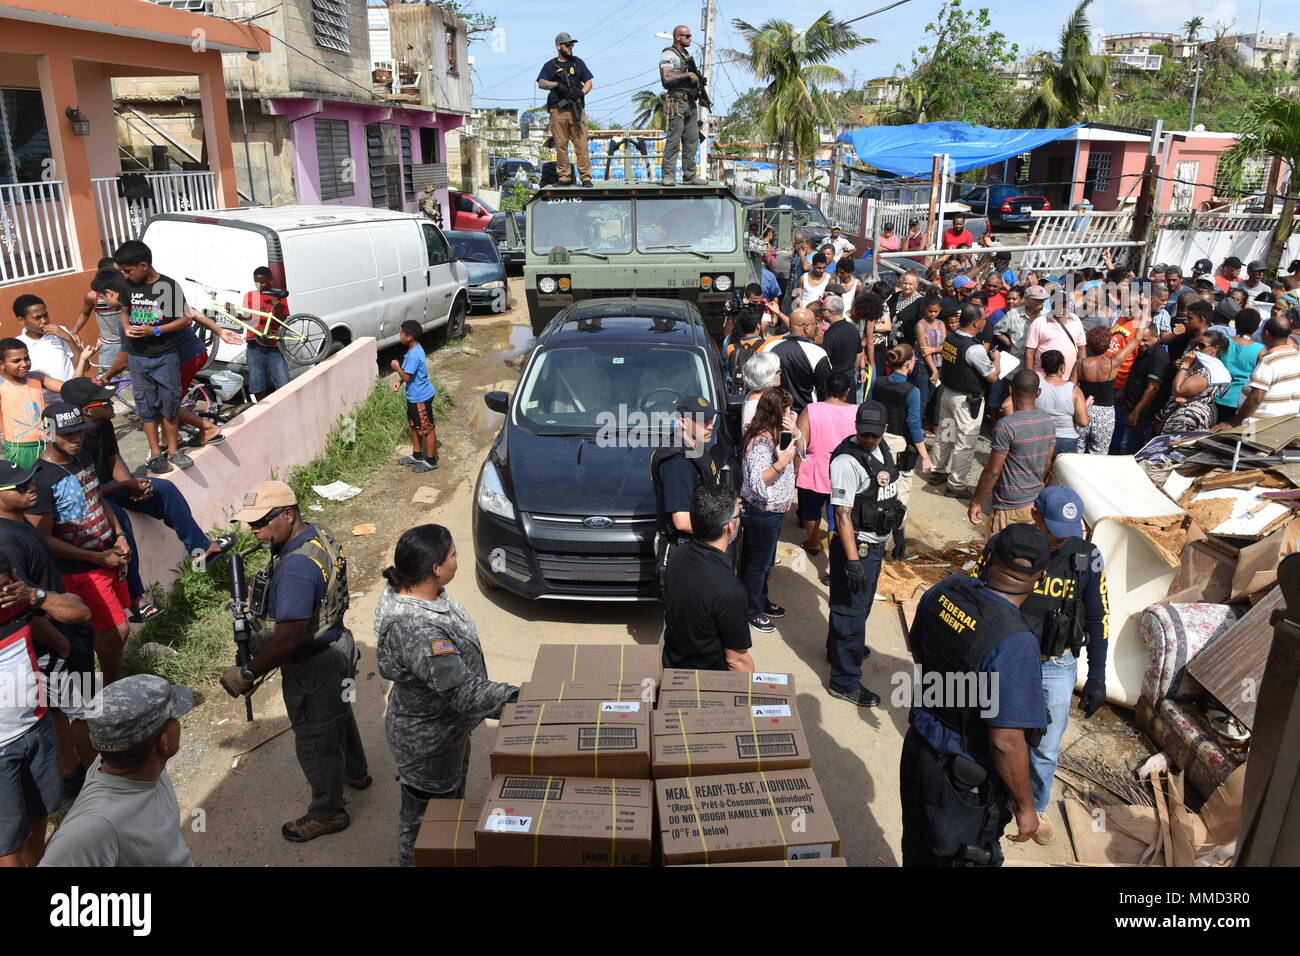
x=408, y=184
x=1097, y=178
x=330, y=25
x=334, y=159
x=451, y=50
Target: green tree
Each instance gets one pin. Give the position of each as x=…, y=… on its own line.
x=649, y=105
x=741, y=124
x=1075, y=84
x=1269, y=125
x=955, y=75
x=794, y=65
x=1193, y=27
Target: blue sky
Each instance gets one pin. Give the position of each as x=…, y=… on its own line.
x=616, y=37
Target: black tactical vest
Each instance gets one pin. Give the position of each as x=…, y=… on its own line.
x=956, y=373
x=893, y=395
x=957, y=624
x=870, y=513
x=710, y=470
x=1060, y=588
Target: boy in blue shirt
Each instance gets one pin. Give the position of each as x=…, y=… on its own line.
x=414, y=373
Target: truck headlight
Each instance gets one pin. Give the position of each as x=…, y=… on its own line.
x=492, y=494
x=722, y=283
x=546, y=284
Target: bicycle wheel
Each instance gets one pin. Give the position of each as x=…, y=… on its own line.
x=199, y=401
x=123, y=393
x=304, y=339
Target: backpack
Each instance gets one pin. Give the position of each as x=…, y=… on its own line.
x=740, y=355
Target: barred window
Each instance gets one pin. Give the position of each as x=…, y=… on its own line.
x=1098, y=171
x=330, y=25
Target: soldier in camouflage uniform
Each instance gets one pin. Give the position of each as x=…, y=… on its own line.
x=429, y=648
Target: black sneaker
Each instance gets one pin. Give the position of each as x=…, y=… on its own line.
x=159, y=464
x=410, y=459
x=966, y=494
x=860, y=696
x=761, y=622
x=775, y=610
x=937, y=477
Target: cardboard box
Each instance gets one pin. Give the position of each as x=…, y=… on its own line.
x=566, y=821
x=736, y=682
x=742, y=817
x=594, y=672
x=820, y=861
x=586, y=738
x=705, y=741
x=446, y=836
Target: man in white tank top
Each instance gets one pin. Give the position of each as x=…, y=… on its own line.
x=812, y=284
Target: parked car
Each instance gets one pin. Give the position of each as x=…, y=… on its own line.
x=496, y=228
x=469, y=211
x=363, y=271
x=488, y=286
x=561, y=509
x=808, y=219
x=1003, y=205
x=506, y=168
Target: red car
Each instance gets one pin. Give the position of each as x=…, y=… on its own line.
x=469, y=211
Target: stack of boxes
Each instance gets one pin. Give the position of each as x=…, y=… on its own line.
x=609, y=760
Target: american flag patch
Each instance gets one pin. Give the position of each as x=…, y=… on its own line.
x=442, y=646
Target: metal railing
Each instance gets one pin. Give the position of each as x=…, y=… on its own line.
x=1074, y=238
x=1218, y=221
x=35, y=236
x=121, y=219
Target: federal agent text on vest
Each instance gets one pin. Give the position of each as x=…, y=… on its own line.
x=963, y=760
x=297, y=605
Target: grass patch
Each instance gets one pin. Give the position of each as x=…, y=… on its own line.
x=195, y=620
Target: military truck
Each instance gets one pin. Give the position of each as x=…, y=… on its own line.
x=644, y=239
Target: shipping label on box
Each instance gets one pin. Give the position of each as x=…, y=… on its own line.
x=730, y=740
x=617, y=672
x=816, y=861
x=446, y=836
x=589, y=738
x=700, y=700
x=565, y=821
x=777, y=815
x=736, y=682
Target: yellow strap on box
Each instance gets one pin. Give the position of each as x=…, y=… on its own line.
x=776, y=815
x=619, y=691
x=681, y=725
x=537, y=834
x=455, y=834
x=753, y=728
x=573, y=667
x=537, y=729
x=561, y=697
x=595, y=757
x=690, y=792
x=698, y=705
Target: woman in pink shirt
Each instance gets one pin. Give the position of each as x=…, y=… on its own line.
x=825, y=424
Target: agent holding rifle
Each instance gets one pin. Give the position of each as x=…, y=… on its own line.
x=1067, y=611
x=297, y=605
x=686, y=91
x=568, y=81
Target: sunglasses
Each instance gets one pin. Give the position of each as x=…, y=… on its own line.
x=265, y=520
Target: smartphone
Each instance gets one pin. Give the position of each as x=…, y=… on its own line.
x=786, y=439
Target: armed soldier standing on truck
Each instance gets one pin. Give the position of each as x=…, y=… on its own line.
x=685, y=85
x=568, y=81
x=297, y=604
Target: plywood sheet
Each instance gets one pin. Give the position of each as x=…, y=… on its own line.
x=1232, y=668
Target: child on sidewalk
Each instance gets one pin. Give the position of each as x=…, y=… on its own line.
x=22, y=403
x=53, y=350
x=414, y=372
x=106, y=316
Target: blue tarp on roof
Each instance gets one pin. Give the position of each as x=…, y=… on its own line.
x=910, y=150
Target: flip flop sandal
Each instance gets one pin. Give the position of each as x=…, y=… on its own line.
x=213, y=441
x=147, y=613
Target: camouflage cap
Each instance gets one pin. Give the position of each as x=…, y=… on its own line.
x=135, y=709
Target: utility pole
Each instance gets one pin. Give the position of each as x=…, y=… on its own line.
x=1144, y=214
x=708, y=18
x=1196, y=87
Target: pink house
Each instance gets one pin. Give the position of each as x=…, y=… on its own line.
x=1103, y=165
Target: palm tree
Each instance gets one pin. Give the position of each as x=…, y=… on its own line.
x=1270, y=125
x=1193, y=27
x=793, y=64
x=650, y=109
x=1075, y=83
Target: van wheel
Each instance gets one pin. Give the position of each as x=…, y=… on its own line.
x=456, y=321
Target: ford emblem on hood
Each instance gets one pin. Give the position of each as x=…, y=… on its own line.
x=597, y=521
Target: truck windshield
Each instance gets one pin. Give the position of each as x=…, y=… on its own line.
x=699, y=223
x=596, y=225
x=581, y=388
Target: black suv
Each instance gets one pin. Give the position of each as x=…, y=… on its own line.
x=564, y=505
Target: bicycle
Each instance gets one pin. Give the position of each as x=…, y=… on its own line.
x=197, y=398
x=304, y=339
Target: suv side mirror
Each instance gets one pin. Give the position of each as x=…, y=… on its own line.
x=497, y=401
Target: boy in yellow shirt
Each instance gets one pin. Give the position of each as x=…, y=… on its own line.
x=21, y=404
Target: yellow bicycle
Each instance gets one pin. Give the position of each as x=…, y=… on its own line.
x=303, y=338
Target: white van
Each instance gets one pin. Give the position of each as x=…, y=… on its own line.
x=362, y=271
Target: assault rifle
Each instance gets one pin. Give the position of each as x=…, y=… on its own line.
x=239, y=611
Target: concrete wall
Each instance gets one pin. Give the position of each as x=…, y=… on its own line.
x=286, y=430
x=418, y=36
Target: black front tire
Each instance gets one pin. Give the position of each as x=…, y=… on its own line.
x=456, y=322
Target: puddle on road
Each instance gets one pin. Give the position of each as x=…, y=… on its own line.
x=521, y=341
x=484, y=419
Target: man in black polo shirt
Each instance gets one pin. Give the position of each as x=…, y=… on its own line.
x=706, y=625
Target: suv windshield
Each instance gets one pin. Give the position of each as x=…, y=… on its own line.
x=583, y=388
x=597, y=225
x=699, y=223
x=474, y=248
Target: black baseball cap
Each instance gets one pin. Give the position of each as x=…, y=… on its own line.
x=11, y=475
x=871, y=418
x=695, y=405
x=1232, y=262
x=1203, y=267
x=1022, y=547
x=84, y=391
x=66, y=419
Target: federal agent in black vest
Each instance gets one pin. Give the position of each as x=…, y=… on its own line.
x=965, y=370
x=297, y=608
x=687, y=462
x=567, y=82
x=977, y=706
x=1068, y=611
x=864, y=494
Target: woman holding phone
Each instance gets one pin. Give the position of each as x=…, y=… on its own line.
x=771, y=443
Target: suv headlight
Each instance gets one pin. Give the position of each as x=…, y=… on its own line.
x=492, y=494
x=494, y=284
x=546, y=285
